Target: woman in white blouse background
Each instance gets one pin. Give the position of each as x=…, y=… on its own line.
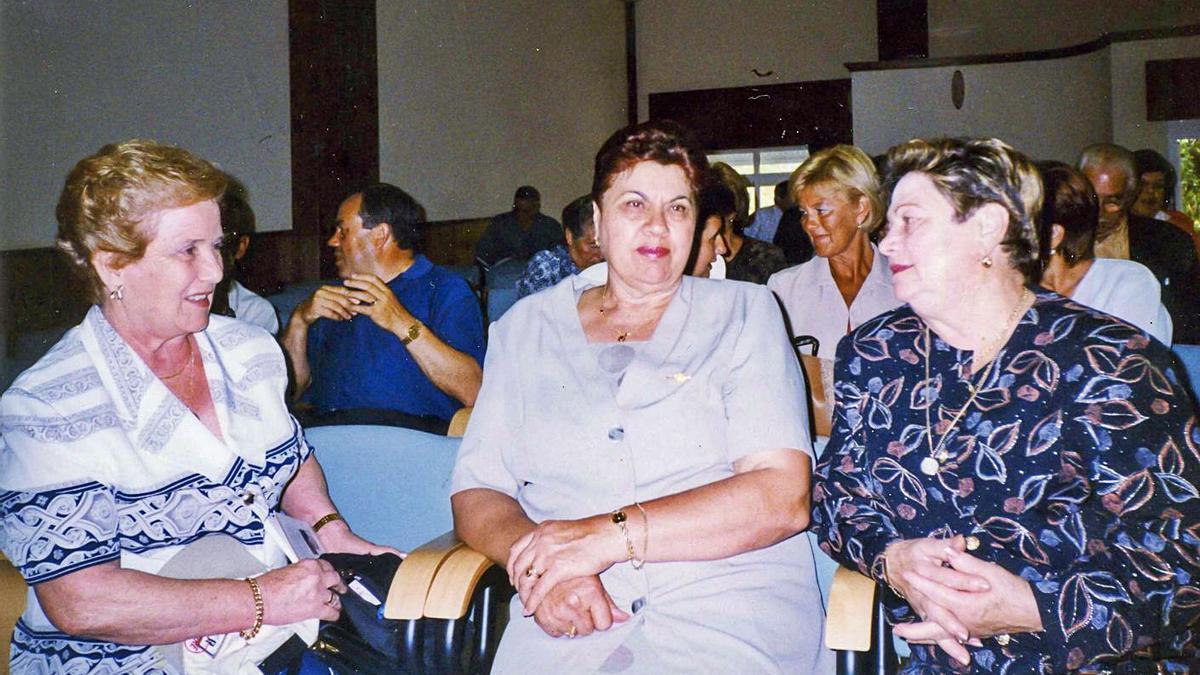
x=848, y=280
x=1067, y=232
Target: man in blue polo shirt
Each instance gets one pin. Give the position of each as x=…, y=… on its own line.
x=399, y=333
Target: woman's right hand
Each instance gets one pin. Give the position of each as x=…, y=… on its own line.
x=580, y=603
x=309, y=589
x=927, y=557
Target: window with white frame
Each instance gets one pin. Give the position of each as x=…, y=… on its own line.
x=764, y=168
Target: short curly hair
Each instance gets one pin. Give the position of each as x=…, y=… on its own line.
x=109, y=196
x=661, y=141
x=974, y=172
x=851, y=170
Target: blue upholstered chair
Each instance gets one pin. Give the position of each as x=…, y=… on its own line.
x=392, y=484
x=502, y=286
x=1189, y=358
x=286, y=300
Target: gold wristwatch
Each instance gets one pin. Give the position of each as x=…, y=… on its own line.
x=414, y=332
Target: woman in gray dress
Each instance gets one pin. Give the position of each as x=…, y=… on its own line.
x=638, y=458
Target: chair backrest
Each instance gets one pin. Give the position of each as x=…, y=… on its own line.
x=290, y=296
x=1189, y=357
x=502, y=286
x=391, y=484
x=819, y=373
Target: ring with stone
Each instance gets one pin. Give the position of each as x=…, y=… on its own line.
x=533, y=572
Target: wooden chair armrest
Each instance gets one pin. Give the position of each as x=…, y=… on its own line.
x=410, y=586
x=13, y=594
x=848, y=623
x=455, y=583
x=458, y=423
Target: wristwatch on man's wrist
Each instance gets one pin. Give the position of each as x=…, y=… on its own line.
x=414, y=332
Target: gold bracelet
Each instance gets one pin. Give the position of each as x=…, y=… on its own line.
x=645, y=536
x=325, y=520
x=886, y=579
x=248, y=635
x=619, y=519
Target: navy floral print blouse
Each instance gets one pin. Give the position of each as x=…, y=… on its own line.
x=1075, y=466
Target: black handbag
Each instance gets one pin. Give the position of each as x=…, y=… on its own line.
x=361, y=640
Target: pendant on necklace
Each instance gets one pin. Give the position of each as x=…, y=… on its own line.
x=930, y=466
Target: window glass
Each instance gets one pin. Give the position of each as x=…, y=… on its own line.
x=1189, y=177
x=763, y=168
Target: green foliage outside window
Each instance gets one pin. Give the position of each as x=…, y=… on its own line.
x=1189, y=176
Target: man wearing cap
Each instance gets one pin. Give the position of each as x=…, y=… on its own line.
x=521, y=232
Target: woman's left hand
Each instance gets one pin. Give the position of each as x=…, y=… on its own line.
x=337, y=537
x=1007, y=606
x=558, y=550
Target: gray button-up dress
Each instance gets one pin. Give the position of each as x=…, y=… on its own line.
x=554, y=430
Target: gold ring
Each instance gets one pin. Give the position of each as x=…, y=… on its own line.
x=571, y=632
x=533, y=572
x=972, y=542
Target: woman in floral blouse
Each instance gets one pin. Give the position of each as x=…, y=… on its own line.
x=1018, y=469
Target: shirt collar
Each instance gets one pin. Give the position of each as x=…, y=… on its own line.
x=419, y=268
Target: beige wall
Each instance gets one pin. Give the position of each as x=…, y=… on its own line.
x=478, y=98
x=76, y=74
x=1047, y=109
x=706, y=44
x=1130, y=127
x=962, y=27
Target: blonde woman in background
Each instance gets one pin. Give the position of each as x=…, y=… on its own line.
x=848, y=280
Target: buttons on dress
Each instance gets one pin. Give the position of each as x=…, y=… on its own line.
x=616, y=434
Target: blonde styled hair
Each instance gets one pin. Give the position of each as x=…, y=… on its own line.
x=973, y=172
x=109, y=195
x=851, y=170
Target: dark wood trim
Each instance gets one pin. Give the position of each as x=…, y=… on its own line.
x=1038, y=55
x=815, y=113
x=631, y=84
x=1172, y=89
x=902, y=29
x=335, y=121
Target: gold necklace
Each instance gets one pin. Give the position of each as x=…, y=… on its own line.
x=188, y=362
x=931, y=465
x=623, y=335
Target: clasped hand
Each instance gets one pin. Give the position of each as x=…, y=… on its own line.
x=555, y=570
x=364, y=294
x=959, y=597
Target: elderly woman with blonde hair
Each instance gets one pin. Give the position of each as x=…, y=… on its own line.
x=152, y=446
x=1018, y=469
x=848, y=280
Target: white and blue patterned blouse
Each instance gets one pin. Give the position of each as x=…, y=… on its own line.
x=100, y=462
